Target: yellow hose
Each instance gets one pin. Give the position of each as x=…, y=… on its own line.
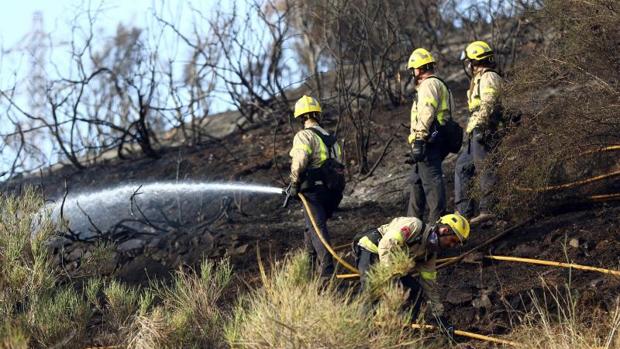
x=554, y=264
x=600, y=150
x=471, y=335
x=604, y=197
x=520, y=260
x=572, y=184
x=320, y=235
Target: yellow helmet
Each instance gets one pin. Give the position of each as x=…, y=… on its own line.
x=420, y=57
x=458, y=223
x=305, y=105
x=477, y=51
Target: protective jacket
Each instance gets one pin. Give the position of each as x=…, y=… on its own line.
x=482, y=98
x=309, y=151
x=433, y=102
x=425, y=260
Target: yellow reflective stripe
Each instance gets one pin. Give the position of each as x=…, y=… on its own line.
x=474, y=103
x=323, y=154
x=398, y=237
x=431, y=101
x=444, y=105
x=338, y=152
x=428, y=275
x=411, y=138
x=368, y=245
x=303, y=147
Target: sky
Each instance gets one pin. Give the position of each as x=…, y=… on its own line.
x=16, y=19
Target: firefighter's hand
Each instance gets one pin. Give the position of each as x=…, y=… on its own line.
x=408, y=159
x=292, y=190
x=417, y=150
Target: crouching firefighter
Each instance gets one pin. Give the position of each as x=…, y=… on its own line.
x=422, y=242
x=318, y=173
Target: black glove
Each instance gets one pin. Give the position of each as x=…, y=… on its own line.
x=418, y=150
x=408, y=159
x=292, y=190
x=478, y=134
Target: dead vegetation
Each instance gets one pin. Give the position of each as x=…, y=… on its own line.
x=567, y=90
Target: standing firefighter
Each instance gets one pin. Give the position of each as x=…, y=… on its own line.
x=318, y=173
x=422, y=243
x=429, y=111
x=484, y=121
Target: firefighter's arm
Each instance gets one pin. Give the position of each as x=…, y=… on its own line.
x=490, y=84
x=428, y=280
x=427, y=103
x=301, y=153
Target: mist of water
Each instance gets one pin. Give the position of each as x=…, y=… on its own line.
x=107, y=206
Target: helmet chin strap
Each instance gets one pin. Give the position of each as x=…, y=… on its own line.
x=432, y=242
x=467, y=68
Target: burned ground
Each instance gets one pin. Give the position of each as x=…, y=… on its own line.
x=479, y=295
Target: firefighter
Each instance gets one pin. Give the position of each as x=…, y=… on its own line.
x=484, y=121
x=430, y=109
x=423, y=242
x=317, y=172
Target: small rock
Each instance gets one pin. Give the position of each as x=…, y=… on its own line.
x=58, y=242
x=459, y=296
x=482, y=302
x=573, y=243
x=241, y=249
x=132, y=244
x=75, y=254
x=154, y=243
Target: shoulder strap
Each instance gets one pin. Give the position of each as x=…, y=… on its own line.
x=484, y=72
x=449, y=94
x=328, y=140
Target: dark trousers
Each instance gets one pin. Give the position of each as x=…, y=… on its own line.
x=427, y=188
x=323, y=203
x=471, y=161
x=366, y=259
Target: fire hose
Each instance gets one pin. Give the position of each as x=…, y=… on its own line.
x=471, y=335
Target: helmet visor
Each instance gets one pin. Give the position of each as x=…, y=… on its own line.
x=463, y=55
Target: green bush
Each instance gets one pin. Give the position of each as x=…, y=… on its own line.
x=59, y=318
x=190, y=314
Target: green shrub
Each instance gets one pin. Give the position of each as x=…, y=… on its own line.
x=296, y=310
x=122, y=304
x=59, y=318
x=190, y=314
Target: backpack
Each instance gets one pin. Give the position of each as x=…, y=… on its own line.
x=450, y=134
x=331, y=173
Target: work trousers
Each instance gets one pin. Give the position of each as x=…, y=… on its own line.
x=469, y=163
x=323, y=203
x=427, y=187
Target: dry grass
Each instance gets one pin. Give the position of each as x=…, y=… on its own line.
x=296, y=310
x=190, y=313
x=557, y=322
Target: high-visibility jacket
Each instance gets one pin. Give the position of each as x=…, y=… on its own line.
x=309, y=151
x=425, y=261
x=482, y=98
x=433, y=101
